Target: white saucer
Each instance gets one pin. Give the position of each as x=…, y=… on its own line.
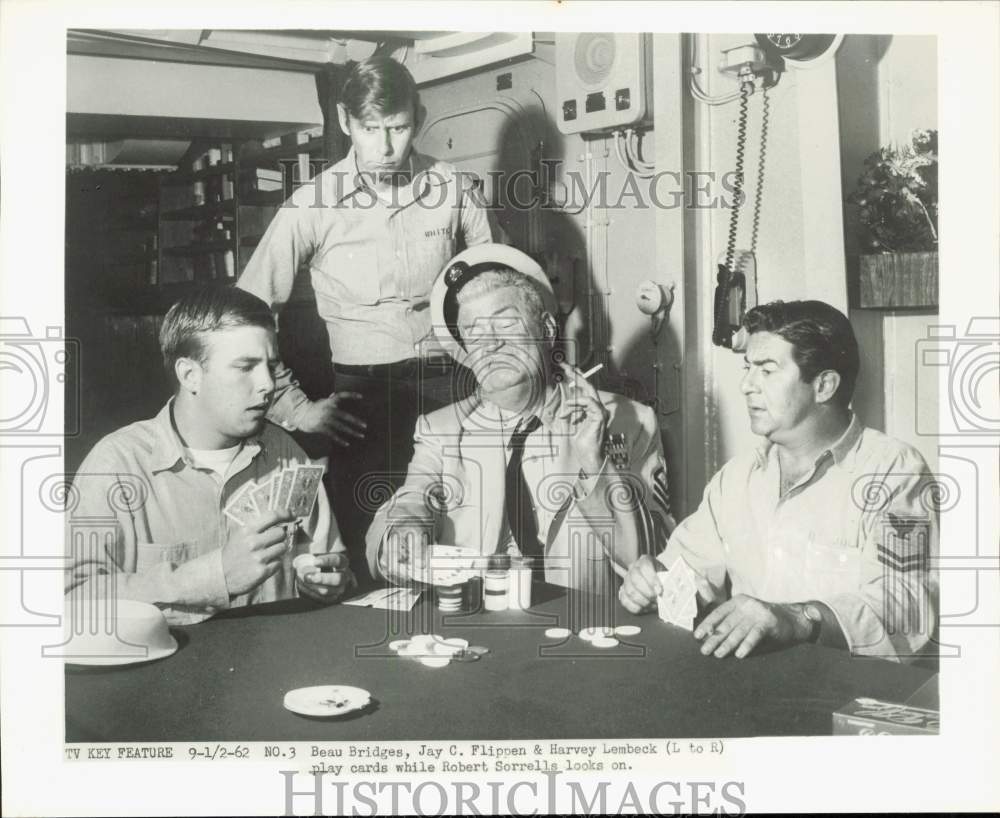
x=326, y=701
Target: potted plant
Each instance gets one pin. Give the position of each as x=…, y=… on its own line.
x=897, y=200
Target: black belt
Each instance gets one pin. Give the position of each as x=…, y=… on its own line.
x=410, y=368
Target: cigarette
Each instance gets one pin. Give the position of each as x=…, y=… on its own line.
x=592, y=370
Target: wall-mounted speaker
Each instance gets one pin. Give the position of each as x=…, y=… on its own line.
x=603, y=81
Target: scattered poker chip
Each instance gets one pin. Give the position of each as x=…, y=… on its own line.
x=434, y=650
x=594, y=633
x=628, y=630
x=424, y=643
x=435, y=661
x=604, y=642
x=326, y=701
x=558, y=633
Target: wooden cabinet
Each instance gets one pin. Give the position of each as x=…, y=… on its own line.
x=136, y=241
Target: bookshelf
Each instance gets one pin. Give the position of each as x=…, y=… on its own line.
x=215, y=208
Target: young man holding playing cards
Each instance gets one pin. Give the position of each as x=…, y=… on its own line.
x=825, y=533
x=212, y=506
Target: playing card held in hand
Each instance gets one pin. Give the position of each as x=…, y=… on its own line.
x=305, y=488
x=242, y=506
x=678, y=604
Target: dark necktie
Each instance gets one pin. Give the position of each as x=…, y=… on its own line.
x=520, y=510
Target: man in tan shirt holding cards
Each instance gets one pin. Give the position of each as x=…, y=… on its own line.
x=211, y=506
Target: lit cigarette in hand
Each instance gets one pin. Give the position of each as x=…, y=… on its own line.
x=592, y=370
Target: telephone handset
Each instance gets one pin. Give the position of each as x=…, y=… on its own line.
x=737, y=274
x=730, y=306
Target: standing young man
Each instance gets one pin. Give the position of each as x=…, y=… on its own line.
x=166, y=482
x=374, y=230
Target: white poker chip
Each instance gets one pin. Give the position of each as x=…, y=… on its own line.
x=604, y=642
x=628, y=630
x=435, y=661
x=326, y=701
x=594, y=633
x=399, y=644
x=558, y=633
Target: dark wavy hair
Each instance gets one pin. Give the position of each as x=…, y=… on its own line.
x=202, y=312
x=821, y=336
x=379, y=84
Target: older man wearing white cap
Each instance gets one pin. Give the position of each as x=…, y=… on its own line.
x=537, y=462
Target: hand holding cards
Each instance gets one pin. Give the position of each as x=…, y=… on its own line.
x=292, y=492
x=678, y=602
x=255, y=550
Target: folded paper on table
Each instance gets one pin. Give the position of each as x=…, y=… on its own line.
x=387, y=599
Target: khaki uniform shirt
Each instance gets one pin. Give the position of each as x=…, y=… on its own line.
x=371, y=263
x=858, y=533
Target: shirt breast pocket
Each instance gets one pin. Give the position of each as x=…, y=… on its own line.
x=426, y=258
x=150, y=556
x=832, y=568
x=351, y=273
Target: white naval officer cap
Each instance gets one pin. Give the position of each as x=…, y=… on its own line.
x=462, y=269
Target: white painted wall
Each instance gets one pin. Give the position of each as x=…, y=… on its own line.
x=888, y=88
x=799, y=249
x=105, y=85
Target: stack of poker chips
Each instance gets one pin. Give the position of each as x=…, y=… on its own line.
x=495, y=590
x=449, y=598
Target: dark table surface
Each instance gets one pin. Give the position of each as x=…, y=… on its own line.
x=228, y=680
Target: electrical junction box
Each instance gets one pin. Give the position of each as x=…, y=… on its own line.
x=603, y=81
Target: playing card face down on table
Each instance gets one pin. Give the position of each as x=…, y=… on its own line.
x=678, y=603
x=387, y=599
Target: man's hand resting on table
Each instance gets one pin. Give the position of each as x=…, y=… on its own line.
x=736, y=626
x=743, y=622
x=323, y=577
x=326, y=417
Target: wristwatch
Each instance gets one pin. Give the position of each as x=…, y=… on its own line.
x=815, y=617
